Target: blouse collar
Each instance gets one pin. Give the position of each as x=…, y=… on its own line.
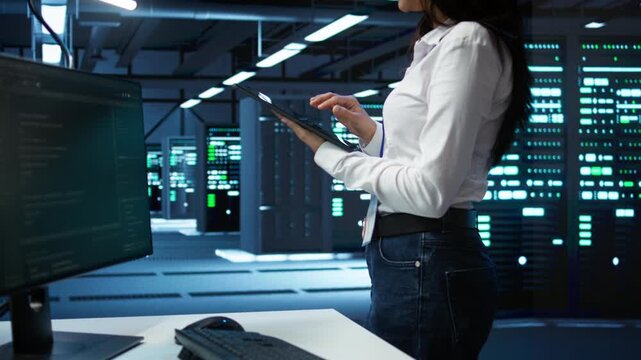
x=435, y=35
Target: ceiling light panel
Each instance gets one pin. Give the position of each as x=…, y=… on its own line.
x=281, y=55
x=335, y=27
x=124, y=4
x=238, y=78
x=190, y=103
x=211, y=92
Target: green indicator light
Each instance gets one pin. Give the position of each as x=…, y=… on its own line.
x=616, y=59
x=337, y=207
x=172, y=195
x=484, y=218
x=211, y=200
x=595, y=171
x=585, y=234
x=585, y=242
x=585, y=218
x=628, y=183
x=149, y=191
x=585, y=226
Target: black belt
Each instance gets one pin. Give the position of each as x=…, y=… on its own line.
x=401, y=223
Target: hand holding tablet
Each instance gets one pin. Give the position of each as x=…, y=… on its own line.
x=309, y=133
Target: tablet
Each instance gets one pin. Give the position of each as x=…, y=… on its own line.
x=316, y=129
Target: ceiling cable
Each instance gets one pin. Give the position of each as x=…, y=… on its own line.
x=56, y=38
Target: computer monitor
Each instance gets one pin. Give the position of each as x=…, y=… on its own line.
x=73, y=194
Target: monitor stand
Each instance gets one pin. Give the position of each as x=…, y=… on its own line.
x=33, y=337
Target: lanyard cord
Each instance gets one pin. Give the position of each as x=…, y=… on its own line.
x=380, y=153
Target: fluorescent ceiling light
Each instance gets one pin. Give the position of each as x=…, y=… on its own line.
x=393, y=85
x=51, y=53
x=125, y=4
x=335, y=27
x=56, y=17
x=211, y=92
x=295, y=46
x=190, y=103
x=594, y=25
x=366, y=93
x=238, y=78
x=276, y=58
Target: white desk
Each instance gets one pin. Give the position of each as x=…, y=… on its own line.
x=325, y=333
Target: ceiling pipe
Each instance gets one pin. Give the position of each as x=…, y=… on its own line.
x=196, y=10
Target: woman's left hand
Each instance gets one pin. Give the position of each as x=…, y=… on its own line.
x=309, y=138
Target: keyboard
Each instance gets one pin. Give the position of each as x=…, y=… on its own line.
x=207, y=344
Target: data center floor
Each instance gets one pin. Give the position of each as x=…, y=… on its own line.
x=185, y=276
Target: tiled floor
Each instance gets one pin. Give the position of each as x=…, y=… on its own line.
x=184, y=276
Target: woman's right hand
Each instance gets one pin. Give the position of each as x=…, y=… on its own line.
x=349, y=112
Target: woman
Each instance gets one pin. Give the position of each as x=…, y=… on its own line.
x=452, y=117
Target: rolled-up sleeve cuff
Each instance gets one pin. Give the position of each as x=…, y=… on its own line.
x=328, y=156
x=373, y=148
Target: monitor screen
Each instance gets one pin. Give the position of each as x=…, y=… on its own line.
x=73, y=194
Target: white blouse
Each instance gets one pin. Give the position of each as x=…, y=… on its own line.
x=440, y=126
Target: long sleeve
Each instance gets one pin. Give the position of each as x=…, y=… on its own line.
x=373, y=148
x=458, y=97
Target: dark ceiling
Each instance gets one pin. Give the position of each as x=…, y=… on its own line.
x=207, y=29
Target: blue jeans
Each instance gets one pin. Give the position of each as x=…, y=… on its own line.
x=434, y=294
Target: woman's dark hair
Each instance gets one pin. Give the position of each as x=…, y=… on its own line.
x=503, y=20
